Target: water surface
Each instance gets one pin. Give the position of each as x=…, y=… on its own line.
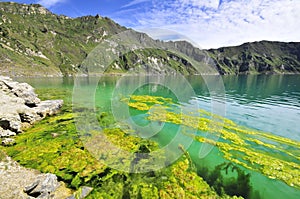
x=268, y=103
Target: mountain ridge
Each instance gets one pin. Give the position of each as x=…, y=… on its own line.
x=37, y=42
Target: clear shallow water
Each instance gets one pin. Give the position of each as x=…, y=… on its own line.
x=270, y=103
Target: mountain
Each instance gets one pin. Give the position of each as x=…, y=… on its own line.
x=258, y=57
x=36, y=42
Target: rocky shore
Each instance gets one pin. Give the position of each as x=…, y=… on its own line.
x=20, y=108
x=19, y=182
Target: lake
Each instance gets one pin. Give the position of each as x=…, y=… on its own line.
x=262, y=110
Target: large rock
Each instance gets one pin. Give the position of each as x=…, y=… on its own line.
x=43, y=186
x=22, y=183
x=20, y=107
x=23, y=91
x=6, y=133
x=48, y=107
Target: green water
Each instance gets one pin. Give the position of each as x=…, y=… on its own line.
x=269, y=103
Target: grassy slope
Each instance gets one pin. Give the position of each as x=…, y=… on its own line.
x=258, y=57
x=28, y=31
x=64, y=41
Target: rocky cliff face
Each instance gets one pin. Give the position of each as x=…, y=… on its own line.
x=36, y=42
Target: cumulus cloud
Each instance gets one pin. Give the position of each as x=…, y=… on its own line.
x=217, y=23
x=50, y=3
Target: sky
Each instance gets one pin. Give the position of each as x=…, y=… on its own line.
x=205, y=23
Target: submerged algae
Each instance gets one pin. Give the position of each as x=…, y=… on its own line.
x=255, y=150
x=53, y=145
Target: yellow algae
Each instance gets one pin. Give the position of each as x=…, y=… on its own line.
x=139, y=105
x=240, y=145
x=150, y=99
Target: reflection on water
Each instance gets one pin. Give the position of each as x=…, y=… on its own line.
x=265, y=102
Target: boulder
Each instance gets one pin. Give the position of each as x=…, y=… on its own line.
x=10, y=121
x=22, y=90
x=6, y=133
x=20, y=107
x=17, y=181
x=43, y=187
x=48, y=107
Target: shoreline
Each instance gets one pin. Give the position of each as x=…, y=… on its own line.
x=143, y=74
x=20, y=109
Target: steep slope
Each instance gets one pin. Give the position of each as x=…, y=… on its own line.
x=36, y=42
x=258, y=57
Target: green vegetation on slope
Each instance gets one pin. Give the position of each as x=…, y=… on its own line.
x=153, y=61
x=258, y=57
x=36, y=42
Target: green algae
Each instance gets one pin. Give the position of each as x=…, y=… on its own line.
x=274, y=156
x=62, y=153
x=55, y=146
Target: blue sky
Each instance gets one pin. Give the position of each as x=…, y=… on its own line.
x=206, y=23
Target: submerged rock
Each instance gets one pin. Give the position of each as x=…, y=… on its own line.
x=82, y=193
x=21, y=107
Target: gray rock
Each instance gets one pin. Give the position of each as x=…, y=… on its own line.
x=43, y=186
x=82, y=193
x=23, y=91
x=10, y=120
x=54, y=135
x=8, y=142
x=14, y=177
x=31, y=187
x=26, y=92
x=48, y=107
x=6, y=133
x=29, y=115
x=21, y=107
x=85, y=191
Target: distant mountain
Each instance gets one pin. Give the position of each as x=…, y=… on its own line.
x=258, y=57
x=36, y=42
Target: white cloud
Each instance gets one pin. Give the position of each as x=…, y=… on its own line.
x=200, y=3
x=50, y=3
x=134, y=2
x=232, y=22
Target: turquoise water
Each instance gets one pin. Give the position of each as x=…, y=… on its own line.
x=269, y=103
